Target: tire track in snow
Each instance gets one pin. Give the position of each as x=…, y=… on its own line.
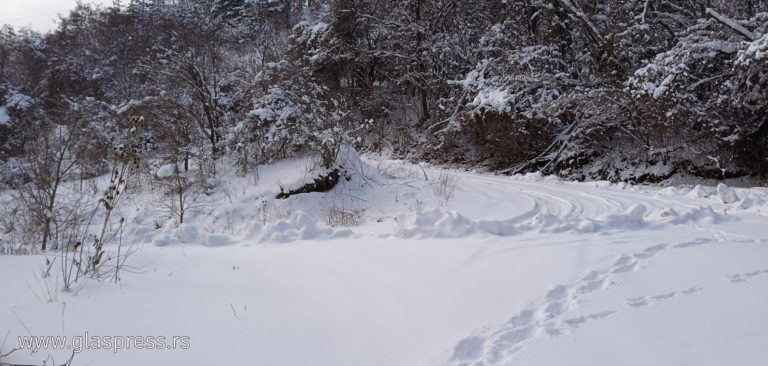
x=561, y=204
x=553, y=208
x=545, y=202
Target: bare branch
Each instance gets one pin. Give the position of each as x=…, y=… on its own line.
x=731, y=23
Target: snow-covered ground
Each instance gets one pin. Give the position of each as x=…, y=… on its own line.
x=524, y=270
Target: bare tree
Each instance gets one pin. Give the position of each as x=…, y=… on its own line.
x=183, y=191
x=48, y=164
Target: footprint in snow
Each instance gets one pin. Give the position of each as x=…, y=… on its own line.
x=516, y=330
x=580, y=320
x=626, y=263
x=744, y=277
x=595, y=280
x=651, y=251
x=694, y=243
x=643, y=301
x=545, y=318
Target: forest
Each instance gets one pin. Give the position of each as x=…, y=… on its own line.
x=619, y=90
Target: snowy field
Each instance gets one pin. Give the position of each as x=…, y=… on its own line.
x=524, y=270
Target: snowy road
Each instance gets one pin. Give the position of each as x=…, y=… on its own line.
x=512, y=271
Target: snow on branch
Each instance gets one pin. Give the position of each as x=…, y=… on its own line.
x=581, y=16
x=733, y=24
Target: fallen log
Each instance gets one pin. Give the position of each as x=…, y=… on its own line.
x=323, y=183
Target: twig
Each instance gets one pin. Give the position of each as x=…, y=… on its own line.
x=425, y=173
x=8, y=354
x=68, y=363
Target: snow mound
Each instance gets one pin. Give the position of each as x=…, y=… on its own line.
x=299, y=226
x=537, y=177
x=498, y=227
x=674, y=191
x=636, y=212
x=218, y=240
x=632, y=218
x=726, y=194
x=751, y=201
x=548, y=223
x=698, y=192
x=680, y=217
x=190, y=234
x=435, y=223
x=164, y=240
x=187, y=233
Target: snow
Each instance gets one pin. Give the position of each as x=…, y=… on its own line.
x=755, y=51
x=493, y=98
x=522, y=270
x=698, y=192
x=18, y=100
x=14, y=100
x=168, y=170
x=5, y=119
x=659, y=91
x=726, y=194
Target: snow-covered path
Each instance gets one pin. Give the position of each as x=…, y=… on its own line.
x=521, y=270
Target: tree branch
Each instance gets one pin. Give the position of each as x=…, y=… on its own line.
x=731, y=23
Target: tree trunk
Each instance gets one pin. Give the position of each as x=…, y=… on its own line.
x=46, y=233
